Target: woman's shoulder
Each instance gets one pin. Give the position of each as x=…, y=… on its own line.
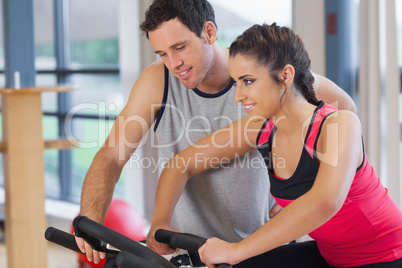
x=343, y=121
x=344, y=115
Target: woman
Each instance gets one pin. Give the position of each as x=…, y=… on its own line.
x=316, y=164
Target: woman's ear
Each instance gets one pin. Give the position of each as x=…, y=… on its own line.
x=210, y=32
x=288, y=74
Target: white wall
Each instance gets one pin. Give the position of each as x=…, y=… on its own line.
x=308, y=21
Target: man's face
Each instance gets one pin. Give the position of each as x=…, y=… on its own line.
x=186, y=55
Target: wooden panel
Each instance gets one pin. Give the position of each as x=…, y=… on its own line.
x=61, y=144
x=23, y=147
x=24, y=180
x=34, y=90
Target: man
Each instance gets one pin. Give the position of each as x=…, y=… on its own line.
x=189, y=94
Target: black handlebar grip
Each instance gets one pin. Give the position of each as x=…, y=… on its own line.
x=189, y=242
x=61, y=238
x=185, y=241
x=67, y=240
x=163, y=236
x=127, y=260
x=110, y=263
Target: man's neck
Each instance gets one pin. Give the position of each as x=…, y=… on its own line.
x=218, y=77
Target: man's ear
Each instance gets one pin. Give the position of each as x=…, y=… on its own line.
x=210, y=32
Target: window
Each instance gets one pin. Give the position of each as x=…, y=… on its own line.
x=44, y=36
x=233, y=17
x=75, y=45
x=94, y=33
x=89, y=59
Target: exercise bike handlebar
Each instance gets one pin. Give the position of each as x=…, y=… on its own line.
x=85, y=227
x=130, y=253
x=61, y=238
x=186, y=241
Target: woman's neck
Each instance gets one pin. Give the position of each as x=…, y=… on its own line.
x=295, y=116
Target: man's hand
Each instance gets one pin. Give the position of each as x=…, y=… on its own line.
x=92, y=255
x=160, y=248
x=275, y=210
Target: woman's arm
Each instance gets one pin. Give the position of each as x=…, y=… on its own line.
x=341, y=153
x=225, y=144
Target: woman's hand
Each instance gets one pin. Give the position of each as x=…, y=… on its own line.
x=216, y=251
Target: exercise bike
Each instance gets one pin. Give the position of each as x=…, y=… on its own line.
x=124, y=252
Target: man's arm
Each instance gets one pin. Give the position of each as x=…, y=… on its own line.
x=241, y=136
x=127, y=132
x=332, y=94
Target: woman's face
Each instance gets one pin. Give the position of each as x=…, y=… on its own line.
x=255, y=88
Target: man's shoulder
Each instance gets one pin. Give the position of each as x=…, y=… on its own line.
x=152, y=79
x=154, y=71
x=149, y=87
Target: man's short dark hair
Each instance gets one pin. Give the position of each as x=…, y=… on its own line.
x=192, y=13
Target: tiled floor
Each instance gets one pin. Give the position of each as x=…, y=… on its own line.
x=58, y=257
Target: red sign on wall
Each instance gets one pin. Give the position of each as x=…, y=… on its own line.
x=332, y=23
